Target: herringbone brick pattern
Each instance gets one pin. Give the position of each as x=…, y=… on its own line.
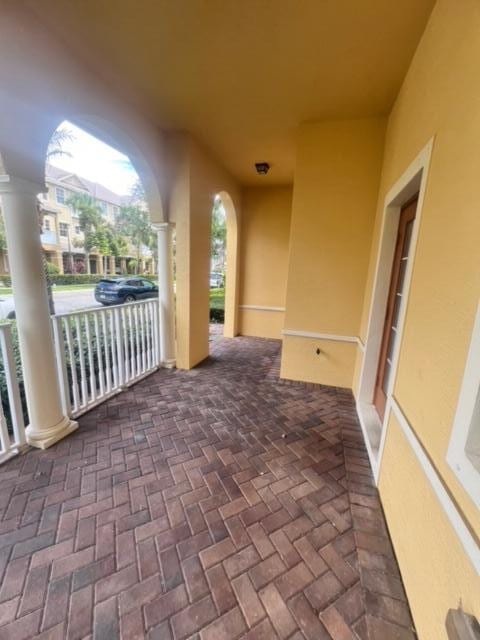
x=214, y=504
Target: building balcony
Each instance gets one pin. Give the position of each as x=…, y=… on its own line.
x=49, y=238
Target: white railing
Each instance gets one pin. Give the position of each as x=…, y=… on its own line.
x=12, y=432
x=100, y=351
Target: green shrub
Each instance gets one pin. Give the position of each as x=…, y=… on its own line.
x=52, y=269
x=76, y=278
x=132, y=266
x=64, y=278
x=217, y=298
x=217, y=315
x=3, y=381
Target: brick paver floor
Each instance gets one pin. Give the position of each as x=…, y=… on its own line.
x=214, y=504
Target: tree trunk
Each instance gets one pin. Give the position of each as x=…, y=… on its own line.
x=51, y=303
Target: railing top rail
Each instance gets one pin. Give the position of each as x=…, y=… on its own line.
x=5, y=326
x=80, y=312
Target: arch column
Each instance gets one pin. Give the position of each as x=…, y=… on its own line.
x=166, y=297
x=48, y=424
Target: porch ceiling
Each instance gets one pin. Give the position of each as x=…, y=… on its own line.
x=242, y=75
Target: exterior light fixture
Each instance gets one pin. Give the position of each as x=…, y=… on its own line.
x=262, y=168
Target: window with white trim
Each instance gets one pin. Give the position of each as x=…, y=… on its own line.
x=60, y=195
x=464, y=449
x=63, y=228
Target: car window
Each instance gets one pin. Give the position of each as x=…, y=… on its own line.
x=133, y=283
x=147, y=283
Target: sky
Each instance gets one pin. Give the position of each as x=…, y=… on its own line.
x=96, y=161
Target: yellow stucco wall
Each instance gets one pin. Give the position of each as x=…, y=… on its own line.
x=436, y=574
x=334, y=202
x=195, y=179
x=440, y=98
x=264, y=243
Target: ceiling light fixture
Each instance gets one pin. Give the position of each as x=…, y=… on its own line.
x=262, y=168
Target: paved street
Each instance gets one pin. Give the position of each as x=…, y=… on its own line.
x=65, y=301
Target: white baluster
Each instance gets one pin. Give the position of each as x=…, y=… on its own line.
x=61, y=364
x=113, y=349
x=131, y=331
x=126, y=370
x=119, y=345
x=73, y=366
x=101, y=372
x=91, y=366
x=137, y=340
x=141, y=309
x=108, y=369
x=81, y=358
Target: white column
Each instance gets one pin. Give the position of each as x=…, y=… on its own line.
x=166, y=298
x=47, y=424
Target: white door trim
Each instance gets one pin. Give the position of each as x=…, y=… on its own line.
x=413, y=181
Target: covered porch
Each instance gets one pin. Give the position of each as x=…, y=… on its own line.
x=265, y=482
x=221, y=501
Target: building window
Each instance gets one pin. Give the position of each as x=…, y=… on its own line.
x=64, y=229
x=116, y=210
x=60, y=195
x=77, y=230
x=464, y=449
x=103, y=207
x=46, y=224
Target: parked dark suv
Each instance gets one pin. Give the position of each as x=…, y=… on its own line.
x=110, y=291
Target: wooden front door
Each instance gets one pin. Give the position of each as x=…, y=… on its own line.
x=396, y=291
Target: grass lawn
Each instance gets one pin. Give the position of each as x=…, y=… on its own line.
x=217, y=298
x=5, y=291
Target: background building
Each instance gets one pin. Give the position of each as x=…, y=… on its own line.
x=61, y=234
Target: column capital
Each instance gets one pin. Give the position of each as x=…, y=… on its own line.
x=162, y=226
x=16, y=184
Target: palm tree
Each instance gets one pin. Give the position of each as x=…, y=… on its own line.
x=91, y=222
x=58, y=139
x=54, y=150
x=134, y=222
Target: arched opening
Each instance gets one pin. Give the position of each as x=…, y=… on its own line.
x=224, y=266
x=94, y=217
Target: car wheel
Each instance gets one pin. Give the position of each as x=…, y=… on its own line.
x=11, y=315
x=129, y=298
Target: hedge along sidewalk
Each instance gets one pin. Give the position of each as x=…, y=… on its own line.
x=75, y=279
x=5, y=291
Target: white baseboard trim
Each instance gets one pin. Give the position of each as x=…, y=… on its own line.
x=467, y=540
x=254, y=307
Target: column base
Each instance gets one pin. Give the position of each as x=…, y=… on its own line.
x=46, y=437
x=169, y=364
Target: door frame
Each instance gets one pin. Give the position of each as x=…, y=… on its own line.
x=413, y=181
x=379, y=392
